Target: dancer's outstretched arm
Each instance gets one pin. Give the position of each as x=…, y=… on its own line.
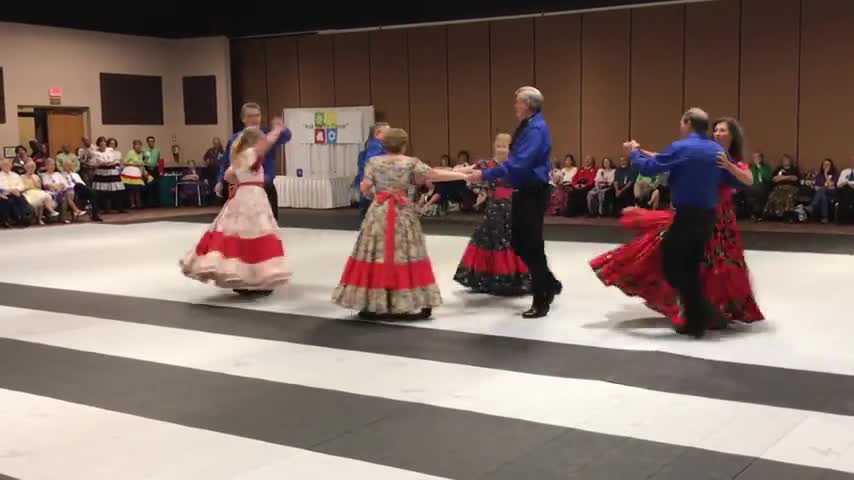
x=442, y=175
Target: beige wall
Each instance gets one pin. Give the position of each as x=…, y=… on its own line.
x=35, y=59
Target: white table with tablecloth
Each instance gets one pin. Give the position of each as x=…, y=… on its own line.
x=315, y=193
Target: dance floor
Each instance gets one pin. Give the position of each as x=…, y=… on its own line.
x=114, y=366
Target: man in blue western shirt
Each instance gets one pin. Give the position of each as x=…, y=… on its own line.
x=250, y=114
x=695, y=179
x=527, y=170
x=373, y=148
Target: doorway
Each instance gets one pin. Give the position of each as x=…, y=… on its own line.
x=56, y=126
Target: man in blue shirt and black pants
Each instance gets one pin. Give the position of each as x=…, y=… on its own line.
x=527, y=169
x=695, y=179
x=373, y=148
x=250, y=114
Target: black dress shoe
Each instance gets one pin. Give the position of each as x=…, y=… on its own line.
x=536, y=311
x=426, y=313
x=694, y=329
x=366, y=315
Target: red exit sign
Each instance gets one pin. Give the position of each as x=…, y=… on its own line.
x=54, y=92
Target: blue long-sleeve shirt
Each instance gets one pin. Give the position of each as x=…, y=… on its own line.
x=695, y=176
x=529, y=162
x=269, y=159
x=373, y=148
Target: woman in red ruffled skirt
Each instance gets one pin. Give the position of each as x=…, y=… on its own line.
x=489, y=263
x=241, y=249
x=635, y=268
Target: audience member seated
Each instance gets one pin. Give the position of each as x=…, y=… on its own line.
x=825, y=191
x=40, y=154
x=782, y=200
x=845, y=194
x=582, y=183
x=624, y=180
x=445, y=160
x=66, y=154
x=660, y=197
x=603, y=186
x=62, y=191
x=758, y=193
x=644, y=186
x=457, y=192
x=463, y=159
x=14, y=209
x=35, y=195
x=20, y=160
x=561, y=181
x=430, y=201
x=84, y=197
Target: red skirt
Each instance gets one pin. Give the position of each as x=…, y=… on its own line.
x=635, y=268
x=489, y=263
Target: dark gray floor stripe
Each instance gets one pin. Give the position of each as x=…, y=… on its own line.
x=769, y=241
x=432, y=440
x=6, y=477
x=666, y=372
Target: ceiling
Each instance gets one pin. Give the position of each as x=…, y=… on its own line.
x=177, y=20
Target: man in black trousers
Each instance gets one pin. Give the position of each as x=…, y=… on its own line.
x=695, y=179
x=527, y=170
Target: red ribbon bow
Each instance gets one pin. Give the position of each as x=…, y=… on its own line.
x=394, y=199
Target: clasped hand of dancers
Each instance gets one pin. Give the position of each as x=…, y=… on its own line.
x=686, y=263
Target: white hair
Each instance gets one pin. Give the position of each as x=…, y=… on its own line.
x=532, y=97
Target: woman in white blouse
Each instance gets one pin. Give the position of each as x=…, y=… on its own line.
x=39, y=199
x=107, y=180
x=62, y=191
x=602, y=186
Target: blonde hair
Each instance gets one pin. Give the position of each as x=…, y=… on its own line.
x=395, y=140
x=245, y=140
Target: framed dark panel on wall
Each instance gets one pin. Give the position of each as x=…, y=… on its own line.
x=200, y=107
x=131, y=99
x=2, y=98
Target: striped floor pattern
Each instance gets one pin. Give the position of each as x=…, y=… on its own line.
x=103, y=378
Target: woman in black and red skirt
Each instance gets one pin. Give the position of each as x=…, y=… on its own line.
x=489, y=264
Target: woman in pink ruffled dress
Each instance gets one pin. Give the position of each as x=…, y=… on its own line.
x=241, y=250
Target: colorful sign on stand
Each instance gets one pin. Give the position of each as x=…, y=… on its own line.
x=325, y=128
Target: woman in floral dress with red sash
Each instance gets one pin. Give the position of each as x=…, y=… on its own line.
x=389, y=272
x=635, y=268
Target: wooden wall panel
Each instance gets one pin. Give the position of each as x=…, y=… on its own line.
x=711, y=57
x=826, y=93
x=657, y=75
x=316, y=71
x=428, y=92
x=605, y=58
x=248, y=75
x=769, y=75
x=283, y=82
x=352, y=69
x=390, y=77
x=558, y=76
x=511, y=66
x=2, y=99
x=468, y=89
